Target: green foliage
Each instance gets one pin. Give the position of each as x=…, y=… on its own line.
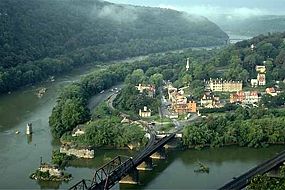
x=254, y=127
x=59, y=159
x=156, y=79
x=130, y=99
x=42, y=175
x=102, y=110
x=110, y=132
x=41, y=38
x=67, y=115
x=241, y=60
x=264, y=182
x=273, y=101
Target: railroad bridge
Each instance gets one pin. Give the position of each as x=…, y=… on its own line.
x=272, y=166
x=126, y=171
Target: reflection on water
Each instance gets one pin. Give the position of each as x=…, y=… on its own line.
x=49, y=184
x=29, y=139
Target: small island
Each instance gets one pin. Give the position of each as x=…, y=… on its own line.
x=55, y=170
x=50, y=172
x=202, y=168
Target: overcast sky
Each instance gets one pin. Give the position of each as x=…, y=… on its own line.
x=243, y=8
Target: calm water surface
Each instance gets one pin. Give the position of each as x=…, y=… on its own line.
x=20, y=155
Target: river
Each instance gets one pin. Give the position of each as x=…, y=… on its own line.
x=20, y=155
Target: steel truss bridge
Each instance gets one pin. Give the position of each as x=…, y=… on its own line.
x=112, y=172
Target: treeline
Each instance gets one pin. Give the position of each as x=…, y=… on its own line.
x=39, y=38
x=106, y=130
x=110, y=132
x=256, y=127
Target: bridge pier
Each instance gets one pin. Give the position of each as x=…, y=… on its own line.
x=131, y=178
x=159, y=154
x=173, y=144
x=146, y=165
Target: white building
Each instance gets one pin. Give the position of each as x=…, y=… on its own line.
x=145, y=112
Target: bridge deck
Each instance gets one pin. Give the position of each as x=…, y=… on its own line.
x=243, y=180
x=130, y=164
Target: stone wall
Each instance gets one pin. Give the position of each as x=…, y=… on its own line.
x=80, y=153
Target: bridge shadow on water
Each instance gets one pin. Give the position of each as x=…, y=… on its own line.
x=101, y=158
x=145, y=177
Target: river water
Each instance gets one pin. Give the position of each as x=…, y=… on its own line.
x=20, y=155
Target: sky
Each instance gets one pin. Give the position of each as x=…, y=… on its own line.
x=242, y=8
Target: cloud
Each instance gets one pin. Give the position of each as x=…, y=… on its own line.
x=248, y=12
x=210, y=10
x=120, y=14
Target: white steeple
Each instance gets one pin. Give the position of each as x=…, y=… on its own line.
x=188, y=64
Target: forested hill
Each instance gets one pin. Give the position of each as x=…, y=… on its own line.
x=39, y=38
x=251, y=26
x=240, y=59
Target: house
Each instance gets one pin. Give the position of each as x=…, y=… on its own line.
x=181, y=104
x=220, y=85
x=78, y=130
x=260, y=80
x=209, y=100
x=171, y=91
x=254, y=82
x=247, y=97
x=149, y=89
x=145, y=112
x=271, y=91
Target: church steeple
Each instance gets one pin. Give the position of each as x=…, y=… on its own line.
x=188, y=64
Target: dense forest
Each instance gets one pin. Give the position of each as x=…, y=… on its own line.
x=40, y=38
x=256, y=127
x=251, y=26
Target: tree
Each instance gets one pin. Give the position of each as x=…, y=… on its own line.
x=156, y=79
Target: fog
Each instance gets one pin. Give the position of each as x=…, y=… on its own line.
x=119, y=14
x=209, y=8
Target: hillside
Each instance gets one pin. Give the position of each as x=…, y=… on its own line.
x=39, y=38
x=251, y=26
x=240, y=60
